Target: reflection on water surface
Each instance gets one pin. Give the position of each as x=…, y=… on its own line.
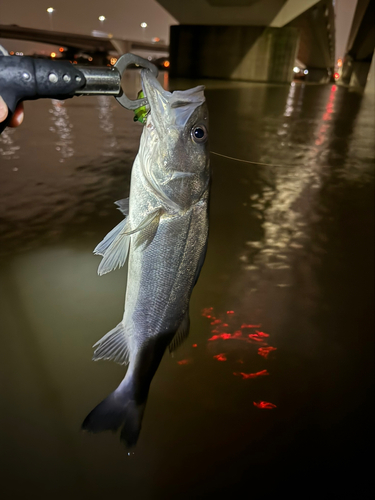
x=286, y=293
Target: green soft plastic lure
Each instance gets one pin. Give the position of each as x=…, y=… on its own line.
x=142, y=112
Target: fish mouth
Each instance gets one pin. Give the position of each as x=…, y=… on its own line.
x=157, y=97
x=175, y=107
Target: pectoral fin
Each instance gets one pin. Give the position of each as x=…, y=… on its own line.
x=115, y=246
x=182, y=333
x=145, y=222
x=115, y=256
x=101, y=248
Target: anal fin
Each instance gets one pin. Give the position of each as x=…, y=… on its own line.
x=113, y=346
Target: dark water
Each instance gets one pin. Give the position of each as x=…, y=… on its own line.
x=290, y=263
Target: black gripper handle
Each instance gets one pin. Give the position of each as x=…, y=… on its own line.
x=28, y=78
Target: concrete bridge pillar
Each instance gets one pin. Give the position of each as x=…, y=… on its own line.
x=355, y=73
x=252, y=53
x=360, y=70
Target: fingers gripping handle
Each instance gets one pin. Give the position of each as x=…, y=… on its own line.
x=26, y=78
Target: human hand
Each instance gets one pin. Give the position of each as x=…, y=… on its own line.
x=17, y=117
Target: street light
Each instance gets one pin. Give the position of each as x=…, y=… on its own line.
x=50, y=11
x=144, y=26
x=101, y=19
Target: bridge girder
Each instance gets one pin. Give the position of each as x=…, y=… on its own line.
x=84, y=43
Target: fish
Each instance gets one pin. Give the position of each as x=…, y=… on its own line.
x=163, y=239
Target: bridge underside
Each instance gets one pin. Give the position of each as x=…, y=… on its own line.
x=238, y=39
x=98, y=47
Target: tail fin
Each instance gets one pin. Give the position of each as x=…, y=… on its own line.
x=118, y=409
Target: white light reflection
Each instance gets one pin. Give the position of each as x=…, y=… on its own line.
x=290, y=100
x=63, y=128
x=287, y=201
x=105, y=107
x=8, y=148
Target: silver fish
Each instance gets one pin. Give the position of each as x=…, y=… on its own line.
x=164, y=237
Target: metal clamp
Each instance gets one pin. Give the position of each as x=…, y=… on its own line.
x=122, y=63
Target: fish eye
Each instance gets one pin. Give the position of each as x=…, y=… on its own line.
x=199, y=133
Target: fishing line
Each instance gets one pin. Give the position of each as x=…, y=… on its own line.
x=247, y=161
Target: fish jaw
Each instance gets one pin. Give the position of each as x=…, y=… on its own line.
x=158, y=100
x=174, y=163
x=170, y=108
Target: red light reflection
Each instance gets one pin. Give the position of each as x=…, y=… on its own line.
x=184, y=362
x=258, y=336
x=195, y=345
x=223, y=331
x=262, y=334
x=220, y=357
x=322, y=133
x=255, y=336
x=223, y=336
x=219, y=334
x=216, y=322
x=264, y=405
x=207, y=312
x=264, y=351
x=251, y=375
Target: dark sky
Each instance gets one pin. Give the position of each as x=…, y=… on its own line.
x=123, y=19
